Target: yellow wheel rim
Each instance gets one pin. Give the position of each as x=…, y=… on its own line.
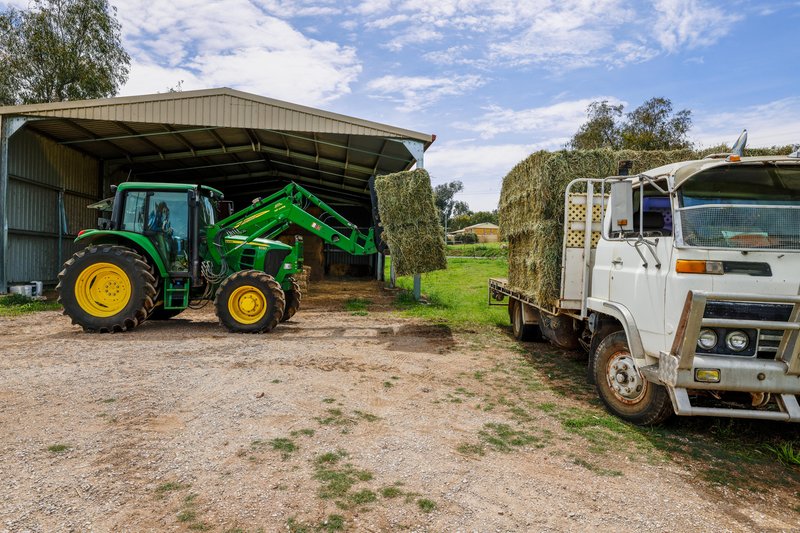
x=247, y=304
x=103, y=289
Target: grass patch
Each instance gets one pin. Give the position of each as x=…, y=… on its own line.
x=484, y=249
x=785, y=453
x=362, y=497
x=334, y=522
x=170, y=486
x=283, y=445
x=186, y=515
x=456, y=296
x=471, y=449
x=17, y=304
x=357, y=305
x=595, y=468
x=388, y=384
x=305, y=432
x=425, y=505
x=59, y=448
x=391, y=492
x=369, y=417
x=504, y=438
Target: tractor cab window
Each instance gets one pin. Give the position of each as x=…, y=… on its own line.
x=207, y=213
x=162, y=216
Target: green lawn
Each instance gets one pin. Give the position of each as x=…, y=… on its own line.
x=15, y=305
x=487, y=249
x=456, y=296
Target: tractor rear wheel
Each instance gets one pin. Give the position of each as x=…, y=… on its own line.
x=250, y=301
x=106, y=288
x=293, y=298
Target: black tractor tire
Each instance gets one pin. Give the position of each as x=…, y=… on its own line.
x=621, y=387
x=101, y=279
x=250, y=301
x=159, y=313
x=523, y=332
x=293, y=298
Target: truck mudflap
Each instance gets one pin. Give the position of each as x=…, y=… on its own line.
x=773, y=383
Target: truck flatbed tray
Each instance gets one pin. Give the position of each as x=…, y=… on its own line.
x=498, y=287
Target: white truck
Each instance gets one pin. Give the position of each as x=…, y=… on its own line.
x=683, y=284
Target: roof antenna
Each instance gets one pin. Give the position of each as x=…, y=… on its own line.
x=738, y=146
x=130, y=171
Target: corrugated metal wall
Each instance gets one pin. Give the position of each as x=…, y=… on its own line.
x=38, y=171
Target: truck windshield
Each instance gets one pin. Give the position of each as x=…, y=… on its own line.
x=742, y=206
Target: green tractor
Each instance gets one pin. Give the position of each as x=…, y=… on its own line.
x=167, y=250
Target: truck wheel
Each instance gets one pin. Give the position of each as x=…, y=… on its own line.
x=159, y=313
x=250, y=301
x=106, y=288
x=293, y=298
x=524, y=332
x=622, y=388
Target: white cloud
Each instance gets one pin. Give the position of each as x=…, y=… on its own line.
x=480, y=167
x=690, y=24
x=233, y=43
x=556, y=122
x=420, y=36
x=775, y=123
x=418, y=92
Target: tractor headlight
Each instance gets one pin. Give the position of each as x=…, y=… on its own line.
x=707, y=339
x=737, y=341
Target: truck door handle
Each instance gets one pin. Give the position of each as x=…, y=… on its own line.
x=617, y=262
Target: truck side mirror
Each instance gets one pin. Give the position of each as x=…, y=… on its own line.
x=621, y=202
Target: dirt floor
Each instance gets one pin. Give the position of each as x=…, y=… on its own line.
x=359, y=420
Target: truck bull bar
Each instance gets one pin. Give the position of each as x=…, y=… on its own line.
x=676, y=369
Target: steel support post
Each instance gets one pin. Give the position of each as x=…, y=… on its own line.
x=8, y=127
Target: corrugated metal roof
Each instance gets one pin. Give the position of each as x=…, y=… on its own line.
x=223, y=108
x=244, y=144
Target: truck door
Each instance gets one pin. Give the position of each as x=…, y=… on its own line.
x=642, y=288
x=162, y=216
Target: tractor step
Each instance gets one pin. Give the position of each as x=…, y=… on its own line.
x=176, y=293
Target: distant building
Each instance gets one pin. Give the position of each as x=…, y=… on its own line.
x=486, y=231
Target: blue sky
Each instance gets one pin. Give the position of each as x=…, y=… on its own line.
x=494, y=80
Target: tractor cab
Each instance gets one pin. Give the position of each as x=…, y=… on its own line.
x=166, y=214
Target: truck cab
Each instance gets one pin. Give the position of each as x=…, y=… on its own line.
x=699, y=265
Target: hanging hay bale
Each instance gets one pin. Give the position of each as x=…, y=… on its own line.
x=410, y=222
x=531, y=210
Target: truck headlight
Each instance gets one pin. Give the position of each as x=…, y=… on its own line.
x=707, y=339
x=737, y=341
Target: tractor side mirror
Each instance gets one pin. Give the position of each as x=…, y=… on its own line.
x=224, y=209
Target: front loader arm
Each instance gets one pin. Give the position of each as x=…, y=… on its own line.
x=271, y=216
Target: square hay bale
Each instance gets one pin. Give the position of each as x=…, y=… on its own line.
x=531, y=209
x=411, y=222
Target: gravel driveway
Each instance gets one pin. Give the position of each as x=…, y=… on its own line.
x=338, y=419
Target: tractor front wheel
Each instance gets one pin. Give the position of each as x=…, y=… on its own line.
x=106, y=288
x=250, y=301
x=293, y=298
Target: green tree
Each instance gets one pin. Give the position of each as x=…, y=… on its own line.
x=61, y=50
x=470, y=219
x=601, y=130
x=651, y=126
x=444, y=197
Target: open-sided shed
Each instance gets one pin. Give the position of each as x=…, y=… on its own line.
x=57, y=158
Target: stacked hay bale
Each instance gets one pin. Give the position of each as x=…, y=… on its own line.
x=531, y=210
x=302, y=278
x=410, y=222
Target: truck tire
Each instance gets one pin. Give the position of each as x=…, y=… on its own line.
x=293, y=298
x=622, y=389
x=523, y=332
x=250, y=301
x=106, y=288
